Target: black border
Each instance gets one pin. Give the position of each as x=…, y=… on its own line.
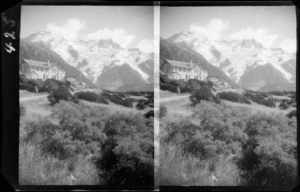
x=10, y=93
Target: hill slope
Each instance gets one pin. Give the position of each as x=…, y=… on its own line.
x=182, y=52
x=38, y=51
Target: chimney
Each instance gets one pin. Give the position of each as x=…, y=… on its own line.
x=191, y=63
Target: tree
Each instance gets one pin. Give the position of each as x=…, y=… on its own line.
x=204, y=93
x=62, y=93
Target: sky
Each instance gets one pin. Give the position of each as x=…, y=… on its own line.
x=272, y=26
x=129, y=26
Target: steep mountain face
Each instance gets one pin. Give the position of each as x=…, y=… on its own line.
x=261, y=76
x=97, y=60
x=238, y=59
x=182, y=52
x=40, y=52
x=117, y=76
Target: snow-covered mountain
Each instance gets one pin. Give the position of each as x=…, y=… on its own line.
x=101, y=61
x=247, y=62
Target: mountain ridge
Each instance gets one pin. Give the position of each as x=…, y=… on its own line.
x=234, y=57
x=91, y=57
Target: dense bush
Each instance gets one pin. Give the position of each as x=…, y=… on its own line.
x=234, y=97
x=84, y=139
x=210, y=84
x=22, y=79
x=292, y=114
x=79, y=131
x=192, y=85
x=162, y=111
x=62, y=93
x=51, y=85
x=149, y=114
x=141, y=105
x=163, y=87
x=261, y=148
x=172, y=88
x=138, y=93
x=117, y=98
x=269, y=155
x=283, y=105
x=204, y=93
x=164, y=79
x=22, y=110
x=128, y=153
x=27, y=87
x=258, y=98
x=91, y=96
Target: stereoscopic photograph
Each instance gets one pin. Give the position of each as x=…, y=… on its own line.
x=86, y=95
x=228, y=96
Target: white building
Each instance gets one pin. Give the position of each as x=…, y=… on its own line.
x=41, y=70
x=183, y=70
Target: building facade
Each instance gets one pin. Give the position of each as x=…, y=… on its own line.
x=41, y=70
x=182, y=70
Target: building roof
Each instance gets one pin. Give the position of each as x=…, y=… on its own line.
x=33, y=63
x=42, y=64
x=179, y=64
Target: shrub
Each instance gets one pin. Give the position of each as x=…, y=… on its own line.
x=62, y=93
x=91, y=96
x=172, y=88
x=27, y=87
x=210, y=84
x=192, y=85
x=292, y=114
x=269, y=155
x=22, y=79
x=283, y=105
x=32, y=82
x=79, y=131
x=149, y=114
x=163, y=87
x=162, y=111
x=164, y=79
x=168, y=87
x=51, y=85
x=234, y=97
x=140, y=105
x=22, y=110
x=117, y=98
x=204, y=93
x=258, y=98
x=128, y=153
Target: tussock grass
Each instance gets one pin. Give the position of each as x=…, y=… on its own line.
x=179, y=169
x=36, y=168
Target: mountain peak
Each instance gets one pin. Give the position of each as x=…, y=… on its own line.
x=108, y=43
x=43, y=36
x=250, y=43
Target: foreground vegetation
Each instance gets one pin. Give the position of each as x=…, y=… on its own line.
x=80, y=144
x=221, y=145
x=225, y=146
